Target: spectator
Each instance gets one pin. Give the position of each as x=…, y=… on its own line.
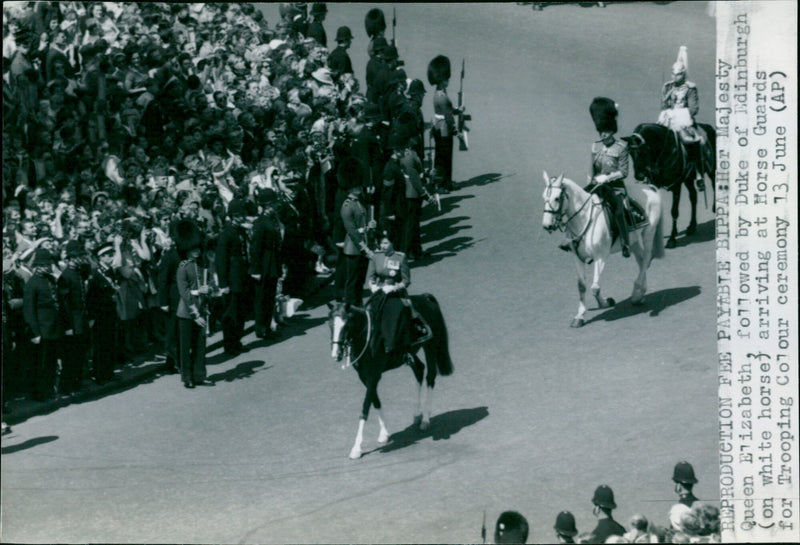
x=511, y=527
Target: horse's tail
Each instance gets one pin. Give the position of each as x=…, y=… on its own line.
x=439, y=346
x=655, y=213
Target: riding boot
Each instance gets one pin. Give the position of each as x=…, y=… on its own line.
x=619, y=216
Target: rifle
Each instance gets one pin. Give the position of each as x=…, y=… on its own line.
x=463, y=117
x=394, y=25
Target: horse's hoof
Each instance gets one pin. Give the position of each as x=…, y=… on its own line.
x=577, y=322
x=355, y=454
x=424, y=425
x=671, y=243
x=383, y=437
x=610, y=302
x=417, y=419
x=692, y=229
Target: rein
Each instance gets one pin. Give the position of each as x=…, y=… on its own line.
x=563, y=225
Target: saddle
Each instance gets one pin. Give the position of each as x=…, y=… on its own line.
x=633, y=214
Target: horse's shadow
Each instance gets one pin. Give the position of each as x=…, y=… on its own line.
x=443, y=426
x=654, y=303
x=705, y=233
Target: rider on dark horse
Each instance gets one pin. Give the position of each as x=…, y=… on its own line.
x=398, y=327
x=679, y=107
x=609, y=168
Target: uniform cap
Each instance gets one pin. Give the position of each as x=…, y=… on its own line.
x=43, y=258
x=604, y=114
x=684, y=473
x=104, y=249
x=604, y=497
x=438, y=70
x=374, y=22
x=343, y=34
x=565, y=524
x=75, y=248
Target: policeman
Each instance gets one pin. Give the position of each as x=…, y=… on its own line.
x=416, y=194
x=683, y=476
x=101, y=307
x=266, y=263
x=610, y=165
x=679, y=106
x=232, y=263
x=354, y=218
x=603, y=501
x=339, y=60
x=72, y=286
x=444, y=124
x=565, y=527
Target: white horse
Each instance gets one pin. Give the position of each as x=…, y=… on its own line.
x=580, y=214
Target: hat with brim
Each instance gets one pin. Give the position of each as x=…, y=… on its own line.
x=344, y=34
x=604, y=497
x=565, y=524
x=323, y=75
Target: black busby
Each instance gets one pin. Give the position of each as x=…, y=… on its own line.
x=374, y=22
x=438, y=70
x=401, y=132
x=344, y=34
x=350, y=173
x=604, y=114
x=187, y=237
x=318, y=8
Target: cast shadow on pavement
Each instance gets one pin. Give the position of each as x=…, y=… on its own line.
x=484, y=179
x=30, y=443
x=654, y=303
x=448, y=203
x=704, y=233
x=444, y=249
x=442, y=228
x=246, y=369
x=443, y=426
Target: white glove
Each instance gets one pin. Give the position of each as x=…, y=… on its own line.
x=388, y=288
x=601, y=178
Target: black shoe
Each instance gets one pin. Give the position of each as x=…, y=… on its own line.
x=204, y=382
x=626, y=252
x=700, y=184
x=188, y=384
x=566, y=246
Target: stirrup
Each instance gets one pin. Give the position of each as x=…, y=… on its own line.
x=422, y=331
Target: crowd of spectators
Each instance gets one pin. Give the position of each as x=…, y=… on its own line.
x=122, y=118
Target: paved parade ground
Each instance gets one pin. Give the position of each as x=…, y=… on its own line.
x=536, y=414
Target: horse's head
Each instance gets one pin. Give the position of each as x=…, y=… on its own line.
x=640, y=155
x=553, y=201
x=340, y=322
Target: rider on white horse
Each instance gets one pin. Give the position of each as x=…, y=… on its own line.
x=679, y=107
x=609, y=167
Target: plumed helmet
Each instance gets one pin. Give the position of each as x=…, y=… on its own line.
x=374, y=22
x=684, y=473
x=43, y=258
x=565, y=524
x=350, y=173
x=681, y=64
x=343, y=33
x=604, y=497
x=604, y=114
x=438, y=70
x=187, y=237
x=75, y=248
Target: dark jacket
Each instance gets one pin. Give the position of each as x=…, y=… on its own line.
x=72, y=294
x=339, y=60
x=265, y=248
x=606, y=528
x=231, y=259
x=317, y=32
x=43, y=312
x=167, y=287
x=101, y=305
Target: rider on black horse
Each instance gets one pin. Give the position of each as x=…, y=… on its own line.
x=679, y=107
x=609, y=168
x=398, y=326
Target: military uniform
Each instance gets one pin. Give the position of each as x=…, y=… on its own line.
x=44, y=313
x=101, y=307
x=354, y=219
x=192, y=337
x=265, y=252
x=392, y=310
x=680, y=96
x=444, y=129
x=612, y=161
x=72, y=292
x=411, y=166
x=676, y=97
x=168, y=297
x=232, y=263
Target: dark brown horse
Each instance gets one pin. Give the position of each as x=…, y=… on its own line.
x=660, y=158
x=352, y=330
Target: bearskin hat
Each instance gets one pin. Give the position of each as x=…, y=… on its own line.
x=350, y=173
x=438, y=70
x=187, y=237
x=374, y=22
x=401, y=132
x=604, y=114
x=75, y=248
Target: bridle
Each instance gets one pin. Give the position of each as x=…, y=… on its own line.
x=559, y=222
x=346, y=344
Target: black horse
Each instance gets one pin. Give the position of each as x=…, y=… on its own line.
x=660, y=158
x=352, y=331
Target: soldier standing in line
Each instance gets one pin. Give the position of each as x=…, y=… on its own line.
x=101, y=308
x=266, y=263
x=444, y=124
x=354, y=219
x=168, y=298
x=377, y=71
x=415, y=192
x=375, y=25
x=232, y=264
x=339, y=60
x=192, y=308
x=44, y=313
x=72, y=286
x=315, y=29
